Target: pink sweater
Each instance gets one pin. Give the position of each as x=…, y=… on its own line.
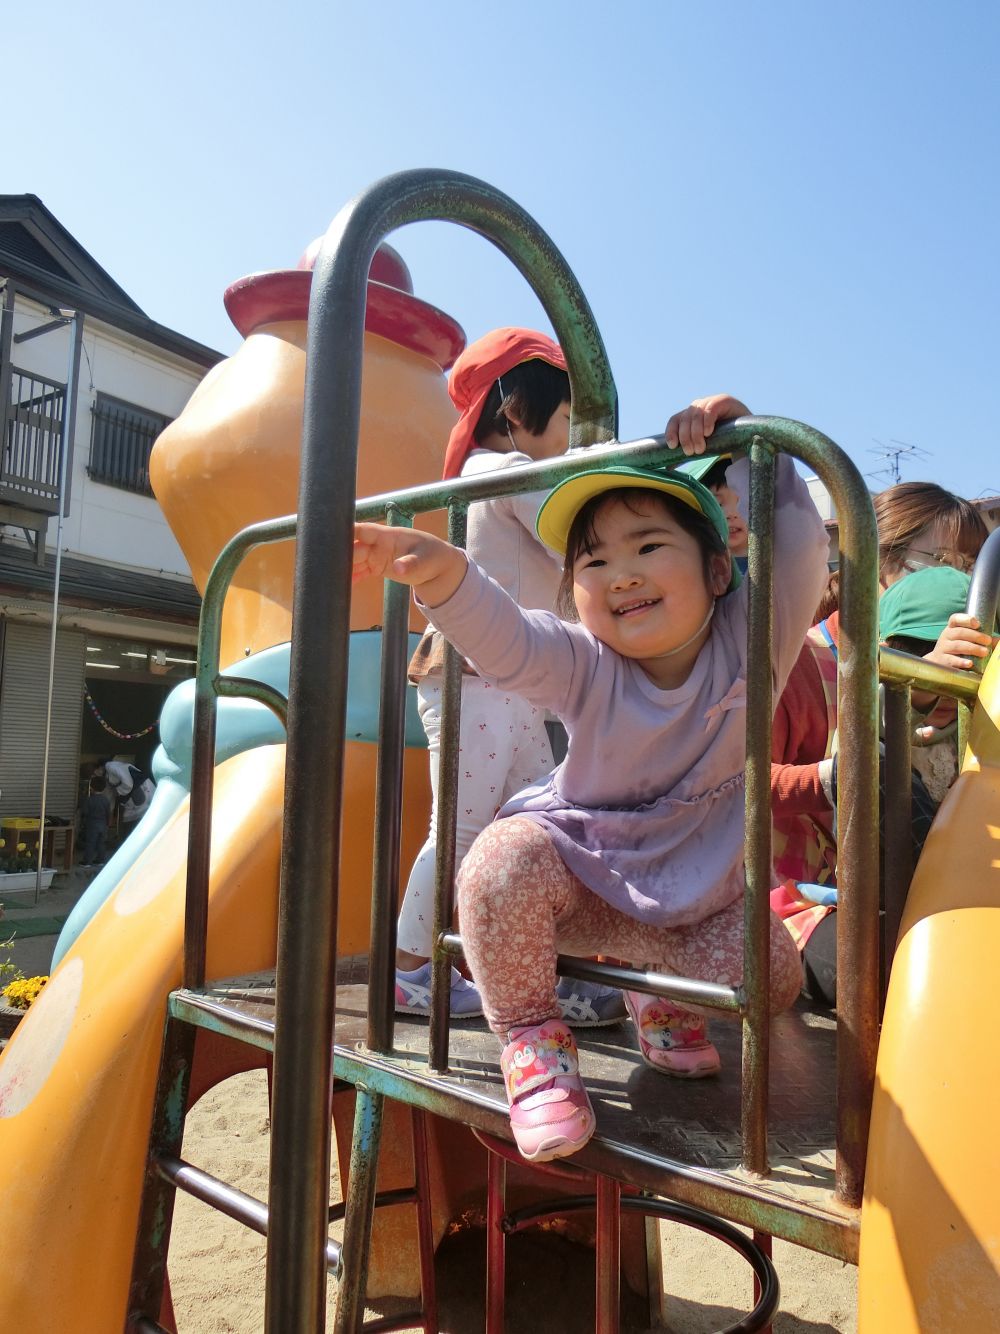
x=647, y=807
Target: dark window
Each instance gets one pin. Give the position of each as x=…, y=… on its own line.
x=120, y=443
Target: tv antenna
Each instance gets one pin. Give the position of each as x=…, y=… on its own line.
x=892, y=453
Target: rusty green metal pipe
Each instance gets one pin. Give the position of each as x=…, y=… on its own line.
x=368, y=1115
x=207, y=688
x=306, y=998
x=760, y=710
x=898, y=850
x=447, y=818
x=388, y=808
x=905, y=670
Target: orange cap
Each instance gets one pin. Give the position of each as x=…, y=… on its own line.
x=476, y=372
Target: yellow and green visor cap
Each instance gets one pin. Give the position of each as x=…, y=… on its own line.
x=565, y=501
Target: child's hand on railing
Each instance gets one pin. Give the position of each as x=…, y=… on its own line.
x=434, y=568
x=690, y=429
x=959, y=642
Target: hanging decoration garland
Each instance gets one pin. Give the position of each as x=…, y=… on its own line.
x=122, y=736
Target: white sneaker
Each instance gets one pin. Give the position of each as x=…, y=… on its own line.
x=413, y=994
x=589, y=1004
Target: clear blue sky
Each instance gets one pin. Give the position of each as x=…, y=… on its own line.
x=794, y=201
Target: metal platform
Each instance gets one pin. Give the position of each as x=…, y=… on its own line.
x=679, y=1139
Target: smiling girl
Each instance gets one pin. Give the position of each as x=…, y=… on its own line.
x=633, y=847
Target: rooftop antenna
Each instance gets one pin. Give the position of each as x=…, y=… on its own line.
x=892, y=453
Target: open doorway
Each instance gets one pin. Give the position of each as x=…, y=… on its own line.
x=126, y=685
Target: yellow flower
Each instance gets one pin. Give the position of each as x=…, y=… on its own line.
x=19, y=995
x=21, y=847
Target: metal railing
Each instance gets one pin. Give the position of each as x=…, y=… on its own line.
x=305, y=1000
x=32, y=439
x=858, y=852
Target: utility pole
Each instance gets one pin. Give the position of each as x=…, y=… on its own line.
x=74, y=320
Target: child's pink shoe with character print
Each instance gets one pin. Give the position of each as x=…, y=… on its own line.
x=670, y=1038
x=550, y=1112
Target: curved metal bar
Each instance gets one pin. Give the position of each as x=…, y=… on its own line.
x=687, y=1215
x=204, y=728
x=983, y=603
x=307, y=945
x=984, y=591
x=449, y=196
x=247, y=688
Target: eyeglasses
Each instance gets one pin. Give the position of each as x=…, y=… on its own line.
x=958, y=560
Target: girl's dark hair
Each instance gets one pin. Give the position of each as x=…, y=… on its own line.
x=917, y=648
x=716, y=475
x=583, y=534
x=531, y=393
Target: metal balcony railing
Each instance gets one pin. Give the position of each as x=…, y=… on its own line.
x=31, y=431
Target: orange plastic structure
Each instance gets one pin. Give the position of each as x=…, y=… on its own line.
x=77, y=1080
x=232, y=459
x=930, y=1222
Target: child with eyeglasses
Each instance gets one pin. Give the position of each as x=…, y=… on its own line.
x=634, y=846
x=915, y=615
x=919, y=524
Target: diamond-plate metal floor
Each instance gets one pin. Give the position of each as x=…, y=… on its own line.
x=677, y=1138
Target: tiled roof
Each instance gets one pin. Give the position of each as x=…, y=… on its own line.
x=48, y=264
x=89, y=584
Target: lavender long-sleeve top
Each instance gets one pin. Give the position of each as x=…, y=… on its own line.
x=647, y=809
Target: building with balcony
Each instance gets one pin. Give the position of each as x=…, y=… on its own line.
x=87, y=382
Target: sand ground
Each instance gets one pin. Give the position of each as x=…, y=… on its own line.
x=217, y=1267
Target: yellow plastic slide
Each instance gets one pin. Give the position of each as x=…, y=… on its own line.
x=930, y=1223
x=77, y=1082
x=78, y=1078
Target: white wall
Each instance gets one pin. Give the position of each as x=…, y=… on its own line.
x=105, y=522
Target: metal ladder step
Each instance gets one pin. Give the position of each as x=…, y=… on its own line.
x=208, y=1009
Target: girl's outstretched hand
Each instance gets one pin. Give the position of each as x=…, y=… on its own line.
x=691, y=428
x=421, y=560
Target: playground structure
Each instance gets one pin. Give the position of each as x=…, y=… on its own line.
x=237, y=768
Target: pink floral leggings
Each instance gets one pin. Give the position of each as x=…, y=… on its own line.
x=519, y=905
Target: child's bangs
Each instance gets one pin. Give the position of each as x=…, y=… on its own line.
x=583, y=534
x=584, y=537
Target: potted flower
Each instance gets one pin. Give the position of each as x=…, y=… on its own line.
x=20, y=993
x=17, y=992
x=18, y=867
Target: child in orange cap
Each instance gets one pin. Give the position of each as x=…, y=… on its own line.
x=512, y=391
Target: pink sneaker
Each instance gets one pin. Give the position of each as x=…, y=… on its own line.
x=550, y=1112
x=670, y=1038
